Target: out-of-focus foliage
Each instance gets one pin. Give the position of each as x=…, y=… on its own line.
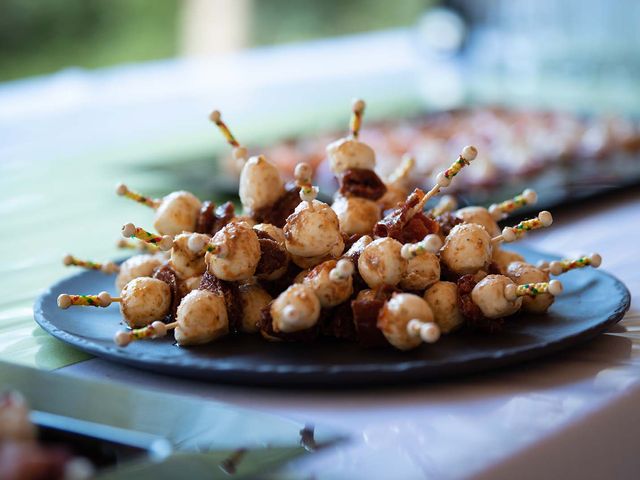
x=38, y=36
x=276, y=21
x=42, y=36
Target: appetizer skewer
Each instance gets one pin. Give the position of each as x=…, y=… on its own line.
x=175, y=213
x=353, y=163
x=263, y=193
x=558, y=267
x=106, y=267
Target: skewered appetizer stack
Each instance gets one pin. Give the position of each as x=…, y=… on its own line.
x=375, y=267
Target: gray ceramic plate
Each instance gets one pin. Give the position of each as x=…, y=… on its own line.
x=592, y=302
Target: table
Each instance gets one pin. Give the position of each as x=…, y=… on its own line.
x=572, y=415
x=65, y=140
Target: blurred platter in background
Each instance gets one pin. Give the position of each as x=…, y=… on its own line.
x=563, y=156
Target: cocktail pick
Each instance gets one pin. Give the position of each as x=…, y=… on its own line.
x=239, y=152
x=103, y=299
x=509, y=234
x=513, y=291
x=429, y=244
x=355, y=123
x=137, y=245
x=558, y=267
x=163, y=242
x=447, y=203
x=429, y=332
x=443, y=180
x=302, y=174
x=157, y=329
x=343, y=270
x=106, y=267
x=123, y=191
x=501, y=210
x=401, y=174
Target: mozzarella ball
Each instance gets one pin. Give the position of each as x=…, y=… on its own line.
x=310, y=262
x=442, y=297
x=521, y=273
x=245, y=219
x=295, y=309
x=312, y=229
x=396, y=314
x=502, y=258
x=479, y=216
x=240, y=253
x=253, y=298
x=183, y=260
x=189, y=284
x=137, y=266
x=274, y=232
x=348, y=153
x=145, y=300
x=422, y=271
x=260, y=184
x=358, y=246
x=488, y=294
x=367, y=294
x=356, y=214
x=380, y=263
x=466, y=249
x=329, y=292
x=178, y=212
x=202, y=318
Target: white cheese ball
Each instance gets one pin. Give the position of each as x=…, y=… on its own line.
x=359, y=245
x=178, y=212
x=521, y=273
x=145, y=300
x=260, y=184
x=348, y=153
x=397, y=312
x=479, y=216
x=202, y=318
x=488, y=294
x=253, y=298
x=442, y=297
x=240, y=253
x=422, y=271
x=183, y=260
x=466, y=249
x=312, y=229
x=244, y=218
x=274, y=232
x=502, y=258
x=137, y=266
x=329, y=292
x=310, y=262
x=366, y=294
x=356, y=214
x=380, y=263
x=295, y=309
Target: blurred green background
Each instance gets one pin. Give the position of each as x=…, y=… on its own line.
x=39, y=37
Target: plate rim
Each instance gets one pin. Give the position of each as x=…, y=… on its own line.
x=405, y=371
